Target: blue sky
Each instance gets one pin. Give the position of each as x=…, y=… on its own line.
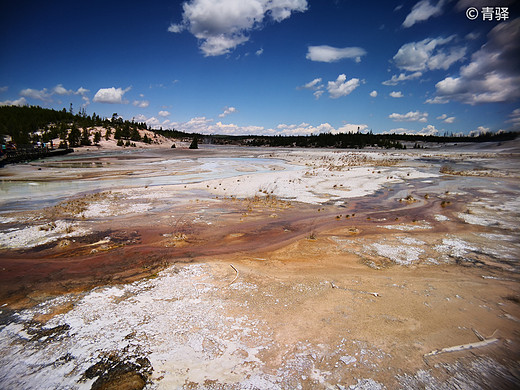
x=269, y=66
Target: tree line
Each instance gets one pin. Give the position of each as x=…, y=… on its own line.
x=343, y=140
x=30, y=124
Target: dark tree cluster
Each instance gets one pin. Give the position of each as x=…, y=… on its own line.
x=328, y=140
x=30, y=124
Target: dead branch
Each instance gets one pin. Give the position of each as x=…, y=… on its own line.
x=375, y=294
x=479, y=336
x=463, y=347
x=236, y=276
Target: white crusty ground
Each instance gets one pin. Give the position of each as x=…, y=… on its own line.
x=32, y=236
x=315, y=186
x=180, y=321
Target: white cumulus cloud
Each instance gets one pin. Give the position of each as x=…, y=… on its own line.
x=222, y=25
x=60, y=90
x=110, y=95
x=82, y=91
x=18, y=102
x=427, y=55
x=42, y=94
x=203, y=125
x=350, y=128
x=164, y=113
x=342, y=86
x=411, y=116
x=326, y=53
x=480, y=130
x=396, y=94
x=428, y=130
x=399, y=130
x=373, y=93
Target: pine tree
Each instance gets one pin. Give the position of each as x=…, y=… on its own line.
x=194, y=143
x=85, y=137
x=74, y=136
x=134, y=134
x=97, y=137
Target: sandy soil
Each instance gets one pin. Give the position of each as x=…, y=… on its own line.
x=325, y=270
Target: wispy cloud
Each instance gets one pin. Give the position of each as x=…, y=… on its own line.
x=411, y=116
x=326, y=53
x=227, y=111
x=514, y=118
x=446, y=119
x=402, y=77
x=141, y=103
x=316, y=86
x=422, y=11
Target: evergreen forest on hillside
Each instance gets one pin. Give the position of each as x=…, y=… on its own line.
x=29, y=125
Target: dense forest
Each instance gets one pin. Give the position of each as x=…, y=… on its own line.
x=29, y=125
x=343, y=140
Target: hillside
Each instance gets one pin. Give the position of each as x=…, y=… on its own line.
x=27, y=126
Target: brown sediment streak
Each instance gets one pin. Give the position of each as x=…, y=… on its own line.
x=141, y=251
